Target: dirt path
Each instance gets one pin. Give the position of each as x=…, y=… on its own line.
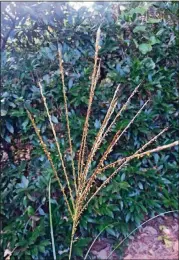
x=157, y=240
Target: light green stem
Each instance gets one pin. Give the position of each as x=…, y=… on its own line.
x=51, y=222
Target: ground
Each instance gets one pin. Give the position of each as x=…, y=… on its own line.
x=158, y=239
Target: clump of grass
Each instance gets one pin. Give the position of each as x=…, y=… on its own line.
x=79, y=193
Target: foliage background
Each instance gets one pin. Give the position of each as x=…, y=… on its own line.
x=140, y=43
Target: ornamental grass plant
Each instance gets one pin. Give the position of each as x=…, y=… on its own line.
x=80, y=184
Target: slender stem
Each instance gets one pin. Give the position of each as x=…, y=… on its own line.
x=118, y=162
x=99, y=137
x=81, y=174
x=73, y=233
x=51, y=221
x=57, y=143
x=97, y=141
x=50, y=160
x=71, y=246
x=109, y=149
x=140, y=155
x=67, y=118
x=123, y=108
x=95, y=76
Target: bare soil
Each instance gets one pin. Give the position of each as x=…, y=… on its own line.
x=157, y=240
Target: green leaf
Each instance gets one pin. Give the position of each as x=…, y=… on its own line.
x=70, y=83
x=145, y=48
x=139, y=10
x=25, y=123
x=25, y=182
x=3, y=112
x=153, y=20
x=111, y=232
x=136, y=44
x=128, y=216
x=137, y=219
x=148, y=63
x=9, y=127
x=54, y=119
x=124, y=185
x=34, y=251
x=7, y=138
x=121, y=204
x=139, y=28
x=140, y=186
x=41, y=249
x=78, y=251
x=31, y=197
x=156, y=157
x=123, y=176
x=30, y=212
x=109, y=213
x=97, y=124
x=45, y=243
x=154, y=40
x=82, y=242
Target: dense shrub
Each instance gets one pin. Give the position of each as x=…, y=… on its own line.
x=138, y=44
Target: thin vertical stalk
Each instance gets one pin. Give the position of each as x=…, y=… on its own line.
x=108, y=151
x=101, y=136
x=66, y=115
x=92, y=88
x=97, y=141
x=75, y=223
x=120, y=111
x=51, y=221
x=50, y=160
x=81, y=176
x=57, y=143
